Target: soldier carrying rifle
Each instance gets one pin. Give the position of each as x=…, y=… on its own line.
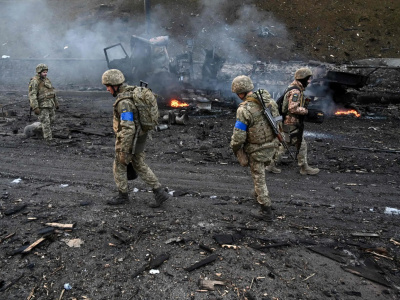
x=254, y=141
x=295, y=109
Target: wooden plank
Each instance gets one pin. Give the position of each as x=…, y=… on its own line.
x=59, y=225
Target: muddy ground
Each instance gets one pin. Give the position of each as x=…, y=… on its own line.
x=339, y=213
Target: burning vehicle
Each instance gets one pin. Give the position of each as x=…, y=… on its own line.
x=169, y=78
x=149, y=62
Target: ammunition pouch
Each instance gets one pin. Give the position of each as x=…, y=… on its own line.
x=291, y=133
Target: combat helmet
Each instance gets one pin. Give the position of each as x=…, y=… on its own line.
x=242, y=84
x=112, y=77
x=302, y=73
x=41, y=67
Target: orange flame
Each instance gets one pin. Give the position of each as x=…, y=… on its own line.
x=177, y=103
x=348, y=112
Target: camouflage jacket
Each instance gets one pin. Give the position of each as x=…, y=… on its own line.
x=252, y=130
x=294, y=101
x=41, y=93
x=125, y=119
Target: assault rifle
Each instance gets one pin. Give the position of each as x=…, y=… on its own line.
x=273, y=122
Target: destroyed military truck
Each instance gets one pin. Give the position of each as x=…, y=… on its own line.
x=149, y=62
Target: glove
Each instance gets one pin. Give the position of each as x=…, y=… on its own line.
x=124, y=158
x=37, y=111
x=242, y=157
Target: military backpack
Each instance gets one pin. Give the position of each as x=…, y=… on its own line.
x=283, y=110
x=146, y=104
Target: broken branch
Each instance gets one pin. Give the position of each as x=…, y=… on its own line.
x=7, y=237
x=394, y=242
x=33, y=245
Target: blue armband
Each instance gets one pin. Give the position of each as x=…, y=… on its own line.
x=240, y=125
x=127, y=116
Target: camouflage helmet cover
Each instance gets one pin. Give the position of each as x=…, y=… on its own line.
x=242, y=84
x=41, y=67
x=112, y=77
x=302, y=73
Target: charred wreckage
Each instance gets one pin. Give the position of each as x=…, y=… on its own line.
x=181, y=82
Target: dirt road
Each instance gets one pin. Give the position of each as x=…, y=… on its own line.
x=328, y=228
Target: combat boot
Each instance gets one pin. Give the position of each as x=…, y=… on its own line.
x=122, y=198
x=264, y=214
x=307, y=170
x=272, y=168
x=160, y=196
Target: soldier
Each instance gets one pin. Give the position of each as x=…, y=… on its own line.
x=295, y=107
x=126, y=127
x=43, y=101
x=254, y=135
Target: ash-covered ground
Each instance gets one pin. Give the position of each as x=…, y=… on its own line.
x=335, y=235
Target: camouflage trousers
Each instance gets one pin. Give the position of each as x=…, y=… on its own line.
x=47, y=117
x=257, y=169
x=291, y=137
x=141, y=168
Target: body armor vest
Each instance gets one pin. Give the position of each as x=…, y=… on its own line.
x=260, y=132
x=45, y=90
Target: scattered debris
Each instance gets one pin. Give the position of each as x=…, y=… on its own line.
x=206, y=248
x=33, y=130
x=227, y=239
x=153, y=264
x=7, y=237
x=392, y=211
x=209, y=285
x=395, y=242
x=207, y=260
x=308, y=277
x=46, y=231
x=63, y=226
x=329, y=253
x=15, y=209
x=369, y=270
x=263, y=248
x=174, y=240
x=230, y=247
x=364, y=234
x=121, y=237
x=74, y=243
x=33, y=245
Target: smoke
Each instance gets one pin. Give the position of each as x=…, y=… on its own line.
x=38, y=30
x=50, y=33
x=47, y=31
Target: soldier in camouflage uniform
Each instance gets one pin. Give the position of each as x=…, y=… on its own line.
x=126, y=128
x=254, y=134
x=43, y=100
x=295, y=104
